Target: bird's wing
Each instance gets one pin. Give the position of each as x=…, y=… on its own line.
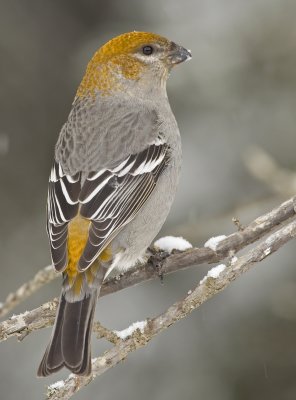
x=109, y=198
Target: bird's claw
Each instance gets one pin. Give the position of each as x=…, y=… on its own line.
x=156, y=260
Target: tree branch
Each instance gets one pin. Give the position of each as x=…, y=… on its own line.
x=43, y=316
x=172, y=263
x=279, y=224
x=212, y=284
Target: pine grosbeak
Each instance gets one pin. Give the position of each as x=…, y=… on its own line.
x=112, y=183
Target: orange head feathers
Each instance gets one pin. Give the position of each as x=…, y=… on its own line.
x=127, y=57
x=129, y=43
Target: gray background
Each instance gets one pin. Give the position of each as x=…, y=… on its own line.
x=238, y=91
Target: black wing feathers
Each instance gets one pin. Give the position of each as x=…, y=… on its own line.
x=62, y=206
x=120, y=198
x=109, y=198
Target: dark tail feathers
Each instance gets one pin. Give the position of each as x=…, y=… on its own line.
x=70, y=343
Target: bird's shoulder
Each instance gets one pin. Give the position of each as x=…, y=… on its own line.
x=100, y=133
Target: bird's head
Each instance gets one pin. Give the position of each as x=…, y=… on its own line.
x=130, y=59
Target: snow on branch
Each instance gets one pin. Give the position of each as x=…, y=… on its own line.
x=273, y=230
x=207, y=288
x=43, y=316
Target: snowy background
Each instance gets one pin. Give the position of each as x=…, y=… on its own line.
x=239, y=91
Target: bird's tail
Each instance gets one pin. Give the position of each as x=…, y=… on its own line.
x=70, y=342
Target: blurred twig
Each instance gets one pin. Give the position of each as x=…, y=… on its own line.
x=265, y=168
x=206, y=289
x=42, y=277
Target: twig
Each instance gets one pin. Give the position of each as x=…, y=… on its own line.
x=21, y=325
x=103, y=332
x=265, y=168
x=42, y=277
x=206, y=289
x=43, y=316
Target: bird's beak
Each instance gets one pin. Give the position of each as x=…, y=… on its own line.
x=178, y=54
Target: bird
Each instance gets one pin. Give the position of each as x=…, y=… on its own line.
x=113, y=179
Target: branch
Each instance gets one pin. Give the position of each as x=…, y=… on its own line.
x=212, y=284
x=43, y=316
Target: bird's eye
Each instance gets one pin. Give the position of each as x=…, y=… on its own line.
x=147, y=50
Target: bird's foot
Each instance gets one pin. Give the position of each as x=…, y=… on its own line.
x=156, y=260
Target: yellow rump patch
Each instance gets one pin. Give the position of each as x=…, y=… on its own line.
x=77, y=238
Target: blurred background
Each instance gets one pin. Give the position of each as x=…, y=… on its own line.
x=235, y=105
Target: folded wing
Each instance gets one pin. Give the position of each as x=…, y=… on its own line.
x=109, y=198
